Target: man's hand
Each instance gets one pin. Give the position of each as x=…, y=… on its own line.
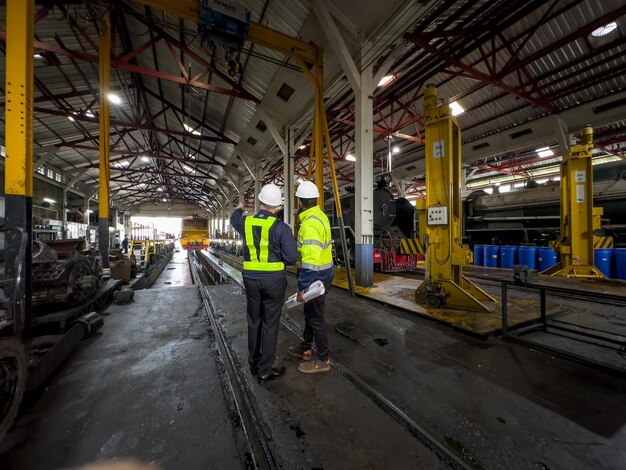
x=301, y=296
x=240, y=206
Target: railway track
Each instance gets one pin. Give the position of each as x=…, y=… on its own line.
x=255, y=440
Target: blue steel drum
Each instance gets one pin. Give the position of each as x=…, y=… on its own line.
x=492, y=256
x=507, y=256
x=602, y=259
x=546, y=256
x=619, y=263
x=479, y=255
x=527, y=256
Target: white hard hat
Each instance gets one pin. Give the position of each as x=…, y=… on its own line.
x=271, y=195
x=307, y=190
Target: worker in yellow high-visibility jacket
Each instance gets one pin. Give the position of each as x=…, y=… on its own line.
x=268, y=246
x=316, y=263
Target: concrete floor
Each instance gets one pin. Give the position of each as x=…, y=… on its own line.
x=147, y=386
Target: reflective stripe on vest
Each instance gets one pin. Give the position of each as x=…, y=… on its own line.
x=259, y=259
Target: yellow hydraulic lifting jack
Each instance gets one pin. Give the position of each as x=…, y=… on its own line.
x=580, y=221
x=444, y=283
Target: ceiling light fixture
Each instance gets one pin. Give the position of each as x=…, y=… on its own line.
x=386, y=80
x=604, y=30
x=302, y=147
x=456, y=109
x=145, y=159
x=350, y=158
x=188, y=128
x=545, y=152
x=395, y=150
x=47, y=199
x=38, y=56
x=89, y=114
x=113, y=98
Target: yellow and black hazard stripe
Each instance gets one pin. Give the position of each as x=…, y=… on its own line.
x=602, y=242
x=411, y=246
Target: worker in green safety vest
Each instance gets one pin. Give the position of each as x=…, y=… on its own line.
x=268, y=246
x=316, y=264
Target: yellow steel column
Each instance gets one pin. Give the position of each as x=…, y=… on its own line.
x=104, y=164
x=576, y=242
x=318, y=136
x=445, y=255
x=18, y=175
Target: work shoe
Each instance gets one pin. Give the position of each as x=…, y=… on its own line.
x=313, y=367
x=300, y=353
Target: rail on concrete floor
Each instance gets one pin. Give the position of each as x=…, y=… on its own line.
x=592, y=338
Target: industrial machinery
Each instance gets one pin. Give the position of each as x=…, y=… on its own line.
x=195, y=233
x=396, y=244
x=532, y=214
x=64, y=271
x=444, y=283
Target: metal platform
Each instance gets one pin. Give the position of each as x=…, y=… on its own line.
x=59, y=314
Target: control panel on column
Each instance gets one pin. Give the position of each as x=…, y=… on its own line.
x=437, y=215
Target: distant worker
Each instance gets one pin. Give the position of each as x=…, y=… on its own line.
x=125, y=244
x=316, y=258
x=268, y=246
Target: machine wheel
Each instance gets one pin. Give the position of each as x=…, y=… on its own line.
x=13, y=373
x=75, y=293
x=434, y=301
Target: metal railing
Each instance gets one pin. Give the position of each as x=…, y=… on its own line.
x=574, y=332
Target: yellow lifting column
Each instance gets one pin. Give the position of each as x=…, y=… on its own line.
x=576, y=242
x=444, y=283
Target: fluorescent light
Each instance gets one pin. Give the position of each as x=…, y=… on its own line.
x=71, y=118
x=38, y=56
x=164, y=200
x=89, y=114
x=47, y=199
x=302, y=147
x=395, y=150
x=188, y=128
x=505, y=188
x=386, y=80
x=88, y=211
x=193, y=157
x=145, y=159
x=113, y=98
x=545, y=152
x=604, y=30
x=350, y=158
x=456, y=108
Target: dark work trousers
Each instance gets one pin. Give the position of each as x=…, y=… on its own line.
x=315, y=325
x=265, y=304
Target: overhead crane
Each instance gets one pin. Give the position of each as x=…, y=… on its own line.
x=310, y=58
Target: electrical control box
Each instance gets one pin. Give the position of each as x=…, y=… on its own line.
x=437, y=215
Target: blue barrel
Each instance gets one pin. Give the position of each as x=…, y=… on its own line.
x=507, y=256
x=619, y=263
x=479, y=255
x=527, y=256
x=602, y=259
x=546, y=256
x=491, y=256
